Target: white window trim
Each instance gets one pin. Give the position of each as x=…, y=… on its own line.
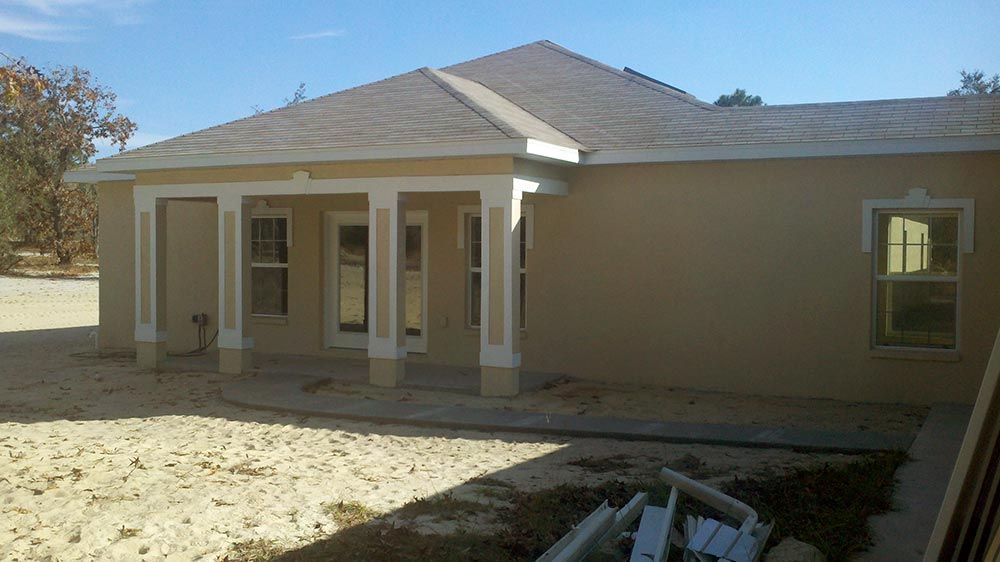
x=262, y=210
x=918, y=200
x=527, y=211
x=333, y=337
x=465, y=214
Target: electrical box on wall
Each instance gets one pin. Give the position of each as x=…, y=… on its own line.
x=200, y=319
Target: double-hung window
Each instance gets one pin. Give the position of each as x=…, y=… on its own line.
x=269, y=264
x=917, y=279
x=474, y=268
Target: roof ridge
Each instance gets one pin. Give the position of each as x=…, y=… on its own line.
x=687, y=98
x=947, y=99
x=479, y=110
x=506, y=99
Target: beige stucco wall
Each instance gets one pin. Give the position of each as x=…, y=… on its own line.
x=747, y=276
x=116, y=253
x=192, y=271
x=741, y=276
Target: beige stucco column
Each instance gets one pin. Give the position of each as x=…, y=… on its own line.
x=150, y=281
x=500, y=333
x=387, y=287
x=235, y=339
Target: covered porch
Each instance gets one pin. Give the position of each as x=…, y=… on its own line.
x=382, y=328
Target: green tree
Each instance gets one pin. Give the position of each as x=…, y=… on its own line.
x=975, y=82
x=49, y=123
x=739, y=98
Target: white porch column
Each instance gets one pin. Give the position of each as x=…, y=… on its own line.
x=500, y=332
x=150, y=280
x=386, y=287
x=235, y=341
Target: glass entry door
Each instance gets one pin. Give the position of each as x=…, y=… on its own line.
x=347, y=317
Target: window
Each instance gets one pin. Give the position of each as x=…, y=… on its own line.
x=269, y=264
x=474, y=268
x=916, y=279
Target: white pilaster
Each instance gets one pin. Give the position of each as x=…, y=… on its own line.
x=500, y=353
x=235, y=341
x=150, y=279
x=386, y=287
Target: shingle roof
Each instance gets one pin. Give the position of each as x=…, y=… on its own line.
x=549, y=93
x=605, y=108
x=421, y=106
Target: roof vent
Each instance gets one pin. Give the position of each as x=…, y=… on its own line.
x=634, y=72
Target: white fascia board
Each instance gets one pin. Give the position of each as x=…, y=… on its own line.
x=541, y=186
x=509, y=147
x=873, y=147
x=547, y=150
x=93, y=176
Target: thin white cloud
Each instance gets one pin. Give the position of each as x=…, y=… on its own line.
x=37, y=29
x=62, y=20
x=319, y=34
x=49, y=7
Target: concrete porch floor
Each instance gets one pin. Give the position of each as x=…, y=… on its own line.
x=419, y=375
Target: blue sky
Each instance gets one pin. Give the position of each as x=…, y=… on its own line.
x=179, y=66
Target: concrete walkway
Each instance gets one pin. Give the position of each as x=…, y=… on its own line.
x=284, y=393
x=903, y=534
x=419, y=375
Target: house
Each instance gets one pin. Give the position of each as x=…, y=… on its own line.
x=537, y=209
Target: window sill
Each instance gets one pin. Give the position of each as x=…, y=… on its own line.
x=269, y=319
x=945, y=355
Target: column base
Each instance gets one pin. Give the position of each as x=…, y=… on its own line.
x=386, y=372
x=150, y=355
x=235, y=361
x=499, y=381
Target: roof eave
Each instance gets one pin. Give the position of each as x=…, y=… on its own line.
x=93, y=176
x=810, y=149
x=523, y=148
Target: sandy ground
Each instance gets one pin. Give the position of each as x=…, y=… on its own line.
x=31, y=304
x=576, y=397
x=101, y=461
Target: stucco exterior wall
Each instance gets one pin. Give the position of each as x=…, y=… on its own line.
x=116, y=255
x=737, y=276
x=747, y=276
x=192, y=271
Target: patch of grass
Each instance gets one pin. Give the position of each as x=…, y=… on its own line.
x=246, y=468
x=349, y=513
x=255, y=550
x=383, y=542
x=442, y=508
x=825, y=506
x=488, y=481
x=603, y=464
x=127, y=532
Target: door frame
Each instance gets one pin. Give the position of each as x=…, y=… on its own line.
x=333, y=337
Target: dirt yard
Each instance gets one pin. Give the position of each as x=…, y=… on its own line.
x=105, y=462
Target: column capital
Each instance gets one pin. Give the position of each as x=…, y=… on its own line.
x=233, y=201
x=385, y=197
x=500, y=195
